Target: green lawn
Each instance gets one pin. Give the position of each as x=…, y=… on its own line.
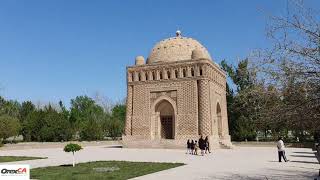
x=91, y=170
x=17, y=158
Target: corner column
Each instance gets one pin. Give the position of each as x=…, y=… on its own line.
x=204, y=107
x=226, y=139
x=128, y=124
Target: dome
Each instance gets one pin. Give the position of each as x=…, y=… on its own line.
x=139, y=60
x=177, y=49
x=197, y=54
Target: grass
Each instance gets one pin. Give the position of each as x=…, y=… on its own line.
x=17, y=158
x=87, y=170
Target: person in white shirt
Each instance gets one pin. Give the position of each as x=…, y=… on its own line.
x=281, y=150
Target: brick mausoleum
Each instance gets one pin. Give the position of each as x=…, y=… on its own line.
x=178, y=94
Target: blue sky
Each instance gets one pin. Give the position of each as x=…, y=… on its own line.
x=56, y=50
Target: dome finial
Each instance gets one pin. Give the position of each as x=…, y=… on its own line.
x=178, y=33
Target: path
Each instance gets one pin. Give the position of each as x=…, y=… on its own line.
x=238, y=163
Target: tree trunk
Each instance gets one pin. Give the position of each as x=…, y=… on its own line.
x=73, y=162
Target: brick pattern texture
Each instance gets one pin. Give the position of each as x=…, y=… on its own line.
x=193, y=87
x=204, y=108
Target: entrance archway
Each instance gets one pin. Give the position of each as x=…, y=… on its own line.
x=166, y=112
x=219, y=120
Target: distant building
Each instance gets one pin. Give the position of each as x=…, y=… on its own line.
x=178, y=94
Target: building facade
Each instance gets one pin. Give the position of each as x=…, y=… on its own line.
x=178, y=94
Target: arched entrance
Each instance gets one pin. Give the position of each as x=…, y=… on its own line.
x=219, y=120
x=165, y=109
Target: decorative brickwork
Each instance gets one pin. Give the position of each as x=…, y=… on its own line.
x=204, y=107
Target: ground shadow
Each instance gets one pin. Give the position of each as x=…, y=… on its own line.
x=114, y=146
x=273, y=161
x=303, y=156
x=270, y=174
x=302, y=167
x=280, y=161
x=263, y=177
x=66, y=165
x=307, y=162
x=304, y=152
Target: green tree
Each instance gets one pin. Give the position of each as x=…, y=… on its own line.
x=119, y=112
x=64, y=110
x=240, y=105
x=292, y=65
x=27, y=108
x=87, y=118
x=9, y=126
x=55, y=126
x=47, y=124
x=244, y=129
x=33, y=125
x=114, y=123
x=232, y=117
x=113, y=127
x=11, y=108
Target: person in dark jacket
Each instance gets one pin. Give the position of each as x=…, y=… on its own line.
x=192, y=145
x=202, y=145
x=207, y=145
x=188, y=147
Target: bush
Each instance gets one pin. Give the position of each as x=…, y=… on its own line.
x=47, y=125
x=114, y=128
x=32, y=126
x=72, y=148
x=91, y=130
x=56, y=127
x=244, y=130
x=114, y=124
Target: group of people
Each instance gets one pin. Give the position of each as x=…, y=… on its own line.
x=204, y=146
x=194, y=146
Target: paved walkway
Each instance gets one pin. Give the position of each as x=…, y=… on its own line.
x=238, y=163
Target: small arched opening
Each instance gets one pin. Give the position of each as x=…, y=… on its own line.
x=169, y=74
x=184, y=73
x=166, y=111
x=153, y=76
x=192, y=72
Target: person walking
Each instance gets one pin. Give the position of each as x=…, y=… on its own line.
x=207, y=145
x=188, y=147
x=281, y=150
x=196, y=148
